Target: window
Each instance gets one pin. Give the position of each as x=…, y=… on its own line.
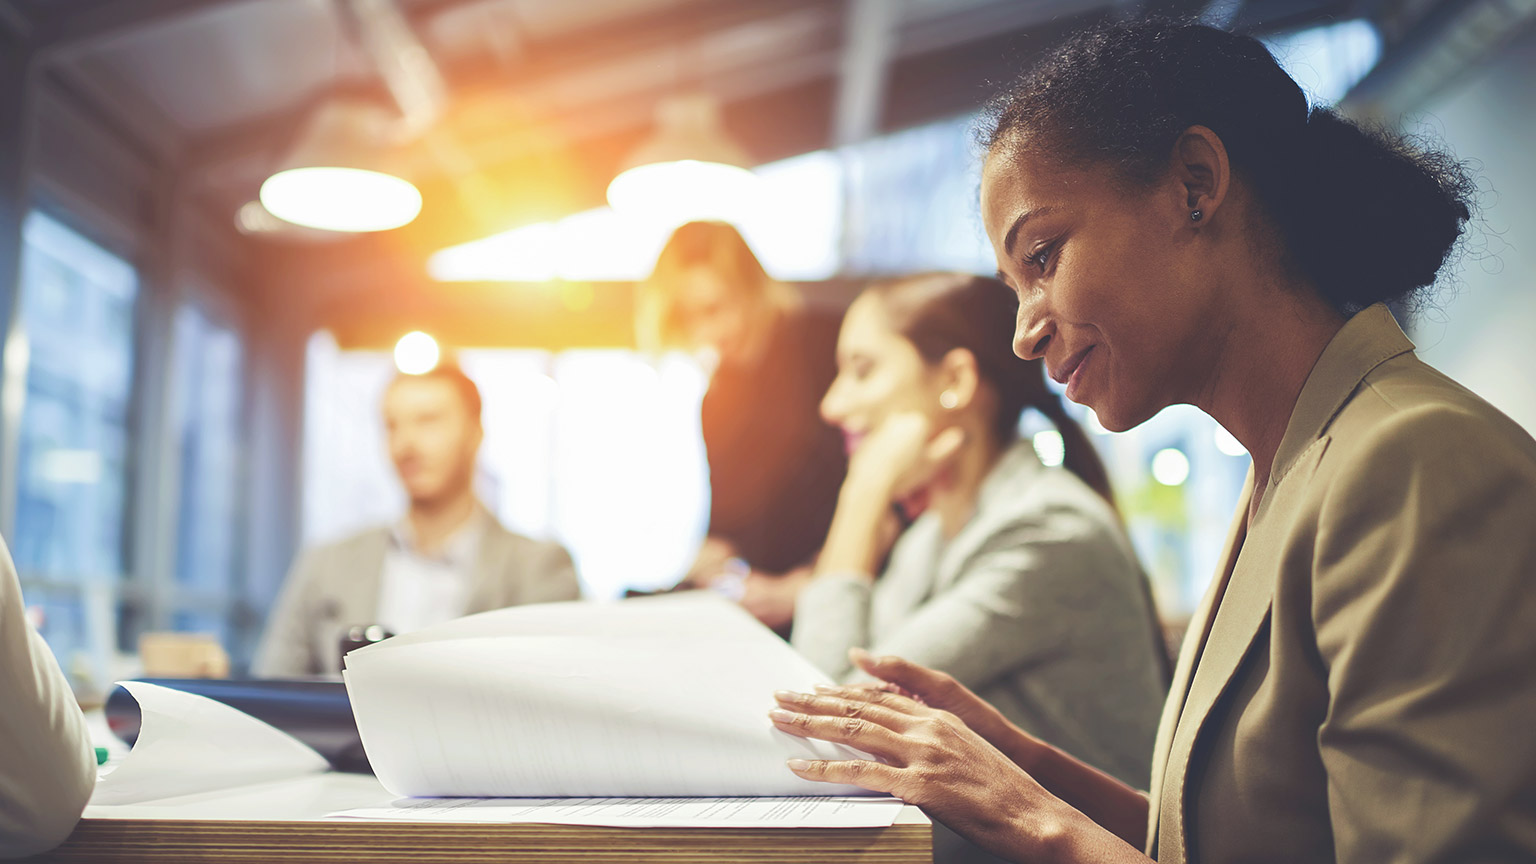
x=206, y=413
x=77, y=327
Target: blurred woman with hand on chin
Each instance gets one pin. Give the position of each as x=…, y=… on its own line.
x=1014, y=578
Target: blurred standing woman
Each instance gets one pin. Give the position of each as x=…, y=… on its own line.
x=774, y=467
x=1358, y=685
x=1016, y=579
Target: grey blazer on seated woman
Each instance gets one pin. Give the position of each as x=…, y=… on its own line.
x=1037, y=604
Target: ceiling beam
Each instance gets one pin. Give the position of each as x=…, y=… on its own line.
x=869, y=43
x=69, y=29
x=19, y=25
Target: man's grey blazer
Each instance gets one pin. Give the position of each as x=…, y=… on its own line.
x=334, y=587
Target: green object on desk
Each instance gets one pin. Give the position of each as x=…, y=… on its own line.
x=101, y=755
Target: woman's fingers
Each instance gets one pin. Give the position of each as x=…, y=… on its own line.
x=945, y=446
x=932, y=688
x=854, y=772
x=853, y=731
x=891, y=710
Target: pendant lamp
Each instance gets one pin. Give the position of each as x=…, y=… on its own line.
x=343, y=172
x=689, y=168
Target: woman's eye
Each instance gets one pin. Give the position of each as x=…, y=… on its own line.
x=1042, y=258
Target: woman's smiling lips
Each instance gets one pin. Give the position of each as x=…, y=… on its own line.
x=851, y=441
x=1070, y=373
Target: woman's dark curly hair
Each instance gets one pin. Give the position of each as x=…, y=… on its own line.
x=1366, y=216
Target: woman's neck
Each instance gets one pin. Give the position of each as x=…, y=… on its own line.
x=952, y=497
x=1261, y=363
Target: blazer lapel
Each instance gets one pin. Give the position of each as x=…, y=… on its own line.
x=489, y=586
x=1189, y=653
x=1240, y=613
x=1237, y=614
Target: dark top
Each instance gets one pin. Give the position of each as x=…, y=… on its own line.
x=774, y=466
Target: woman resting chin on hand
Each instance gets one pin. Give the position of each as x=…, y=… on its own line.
x=1015, y=579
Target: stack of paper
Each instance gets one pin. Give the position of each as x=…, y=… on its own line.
x=652, y=697
x=649, y=712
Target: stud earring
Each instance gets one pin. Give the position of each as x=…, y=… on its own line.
x=949, y=400
x=1195, y=215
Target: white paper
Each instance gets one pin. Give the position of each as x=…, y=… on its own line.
x=651, y=698
x=189, y=743
x=302, y=799
x=779, y=812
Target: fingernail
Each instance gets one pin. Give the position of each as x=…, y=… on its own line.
x=798, y=764
x=825, y=688
x=781, y=716
x=786, y=695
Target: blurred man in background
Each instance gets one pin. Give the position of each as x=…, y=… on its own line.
x=447, y=558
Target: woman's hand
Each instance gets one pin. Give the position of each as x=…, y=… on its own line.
x=938, y=690
x=900, y=455
x=930, y=758
x=1117, y=813
x=903, y=453
x=710, y=564
x=771, y=599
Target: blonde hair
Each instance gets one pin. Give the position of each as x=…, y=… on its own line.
x=714, y=246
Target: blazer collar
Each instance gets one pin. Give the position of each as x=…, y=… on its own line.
x=1366, y=341
x=1236, y=608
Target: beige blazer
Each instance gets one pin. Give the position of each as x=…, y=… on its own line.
x=1360, y=686
x=334, y=587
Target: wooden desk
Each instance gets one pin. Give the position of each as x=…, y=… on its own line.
x=283, y=822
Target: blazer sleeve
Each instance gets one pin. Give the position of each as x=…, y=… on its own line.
x=1012, y=603
x=1423, y=606
x=550, y=576
x=286, y=649
x=47, y=765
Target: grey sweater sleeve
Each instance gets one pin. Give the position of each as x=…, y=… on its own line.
x=832, y=616
x=1016, y=599
x=47, y=765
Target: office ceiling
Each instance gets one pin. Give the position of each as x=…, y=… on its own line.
x=544, y=97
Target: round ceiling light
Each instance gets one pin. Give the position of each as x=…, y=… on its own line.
x=685, y=189
x=416, y=353
x=341, y=199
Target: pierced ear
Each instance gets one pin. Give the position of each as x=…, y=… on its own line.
x=958, y=375
x=1199, y=164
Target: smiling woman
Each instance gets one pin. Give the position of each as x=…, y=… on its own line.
x=1015, y=578
x=1180, y=228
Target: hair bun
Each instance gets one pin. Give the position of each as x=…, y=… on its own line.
x=1364, y=216
x=1367, y=215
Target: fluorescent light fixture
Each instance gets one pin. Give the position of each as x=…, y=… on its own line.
x=793, y=225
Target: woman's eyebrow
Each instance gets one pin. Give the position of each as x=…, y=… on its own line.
x=1013, y=230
